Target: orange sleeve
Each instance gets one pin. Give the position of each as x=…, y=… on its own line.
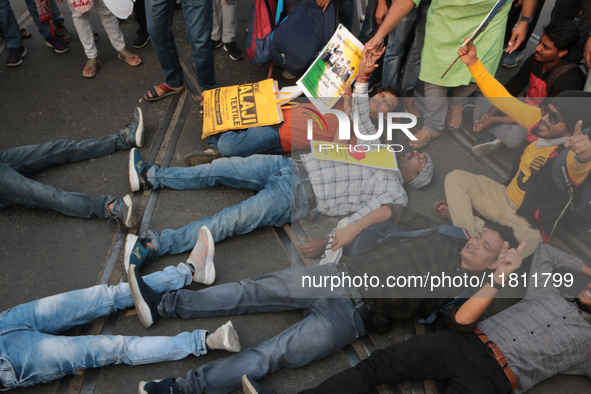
x=524, y=114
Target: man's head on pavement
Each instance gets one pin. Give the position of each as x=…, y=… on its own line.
x=416, y=168
x=560, y=114
x=583, y=299
x=482, y=251
x=558, y=40
x=385, y=101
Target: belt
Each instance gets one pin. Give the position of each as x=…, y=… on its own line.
x=499, y=357
x=359, y=304
x=310, y=196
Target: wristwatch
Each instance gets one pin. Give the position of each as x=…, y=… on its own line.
x=528, y=20
x=497, y=285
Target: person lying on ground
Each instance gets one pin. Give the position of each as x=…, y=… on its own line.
x=533, y=202
x=32, y=351
x=17, y=164
x=334, y=317
x=292, y=133
x=541, y=336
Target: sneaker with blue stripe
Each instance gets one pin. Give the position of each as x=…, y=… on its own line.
x=137, y=252
x=123, y=210
x=138, y=171
x=134, y=132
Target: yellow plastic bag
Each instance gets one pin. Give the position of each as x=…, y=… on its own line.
x=241, y=106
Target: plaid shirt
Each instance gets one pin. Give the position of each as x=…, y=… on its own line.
x=341, y=188
x=544, y=334
x=433, y=254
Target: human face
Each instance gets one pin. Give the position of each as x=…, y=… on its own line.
x=383, y=102
x=546, y=129
x=546, y=52
x=584, y=298
x=481, y=251
x=411, y=163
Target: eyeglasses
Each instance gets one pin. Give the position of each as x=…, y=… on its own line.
x=553, y=117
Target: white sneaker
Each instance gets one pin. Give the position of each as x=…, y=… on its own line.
x=330, y=257
x=201, y=258
x=224, y=338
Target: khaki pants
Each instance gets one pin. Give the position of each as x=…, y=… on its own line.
x=466, y=191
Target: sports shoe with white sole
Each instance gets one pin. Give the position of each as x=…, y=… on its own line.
x=224, y=338
x=165, y=386
x=138, y=171
x=201, y=258
x=123, y=210
x=134, y=132
x=145, y=299
x=137, y=252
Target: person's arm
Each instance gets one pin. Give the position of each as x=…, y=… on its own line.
x=528, y=8
x=381, y=11
x=525, y=115
x=396, y=13
x=509, y=260
x=346, y=235
x=587, y=53
x=486, y=121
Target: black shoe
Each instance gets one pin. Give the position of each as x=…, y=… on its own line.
x=142, y=39
x=57, y=44
x=216, y=43
x=251, y=387
x=486, y=144
x=15, y=56
x=166, y=386
x=194, y=159
x=145, y=299
x=233, y=51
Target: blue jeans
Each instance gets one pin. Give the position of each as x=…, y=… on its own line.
x=31, y=352
x=395, y=50
x=44, y=26
x=412, y=67
x=346, y=13
x=280, y=198
x=252, y=141
x=199, y=22
x=9, y=25
x=18, y=163
x=329, y=325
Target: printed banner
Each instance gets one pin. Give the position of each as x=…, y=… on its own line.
x=338, y=62
x=378, y=156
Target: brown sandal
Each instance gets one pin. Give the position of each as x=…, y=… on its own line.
x=165, y=88
x=91, y=68
x=424, y=138
x=130, y=58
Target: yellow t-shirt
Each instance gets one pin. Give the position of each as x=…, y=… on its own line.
x=527, y=116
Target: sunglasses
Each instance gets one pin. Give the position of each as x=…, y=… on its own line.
x=553, y=117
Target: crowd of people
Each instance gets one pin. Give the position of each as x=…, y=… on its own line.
x=490, y=227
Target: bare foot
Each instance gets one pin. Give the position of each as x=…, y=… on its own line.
x=454, y=116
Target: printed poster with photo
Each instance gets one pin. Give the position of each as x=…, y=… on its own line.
x=338, y=62
x=361, y=155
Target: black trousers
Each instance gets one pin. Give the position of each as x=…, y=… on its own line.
x=461, y=359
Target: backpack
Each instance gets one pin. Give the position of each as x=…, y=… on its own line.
x=260, y=27
x=298, y=39
x=576, y=215
x=390, y=232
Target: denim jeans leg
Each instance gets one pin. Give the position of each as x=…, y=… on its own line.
x=9, y=25
x=16, y=189
x=56, y=14
x=252, y=141
x=435, y=107
x=412, y=67
x=42, y=26
x=331, y=325
x=269, y=207
x=346, y=13
x=30, y=159
x=199, y=22
x=58, y=313
x=395, y=50
x=40, y=358
x=159, y=15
